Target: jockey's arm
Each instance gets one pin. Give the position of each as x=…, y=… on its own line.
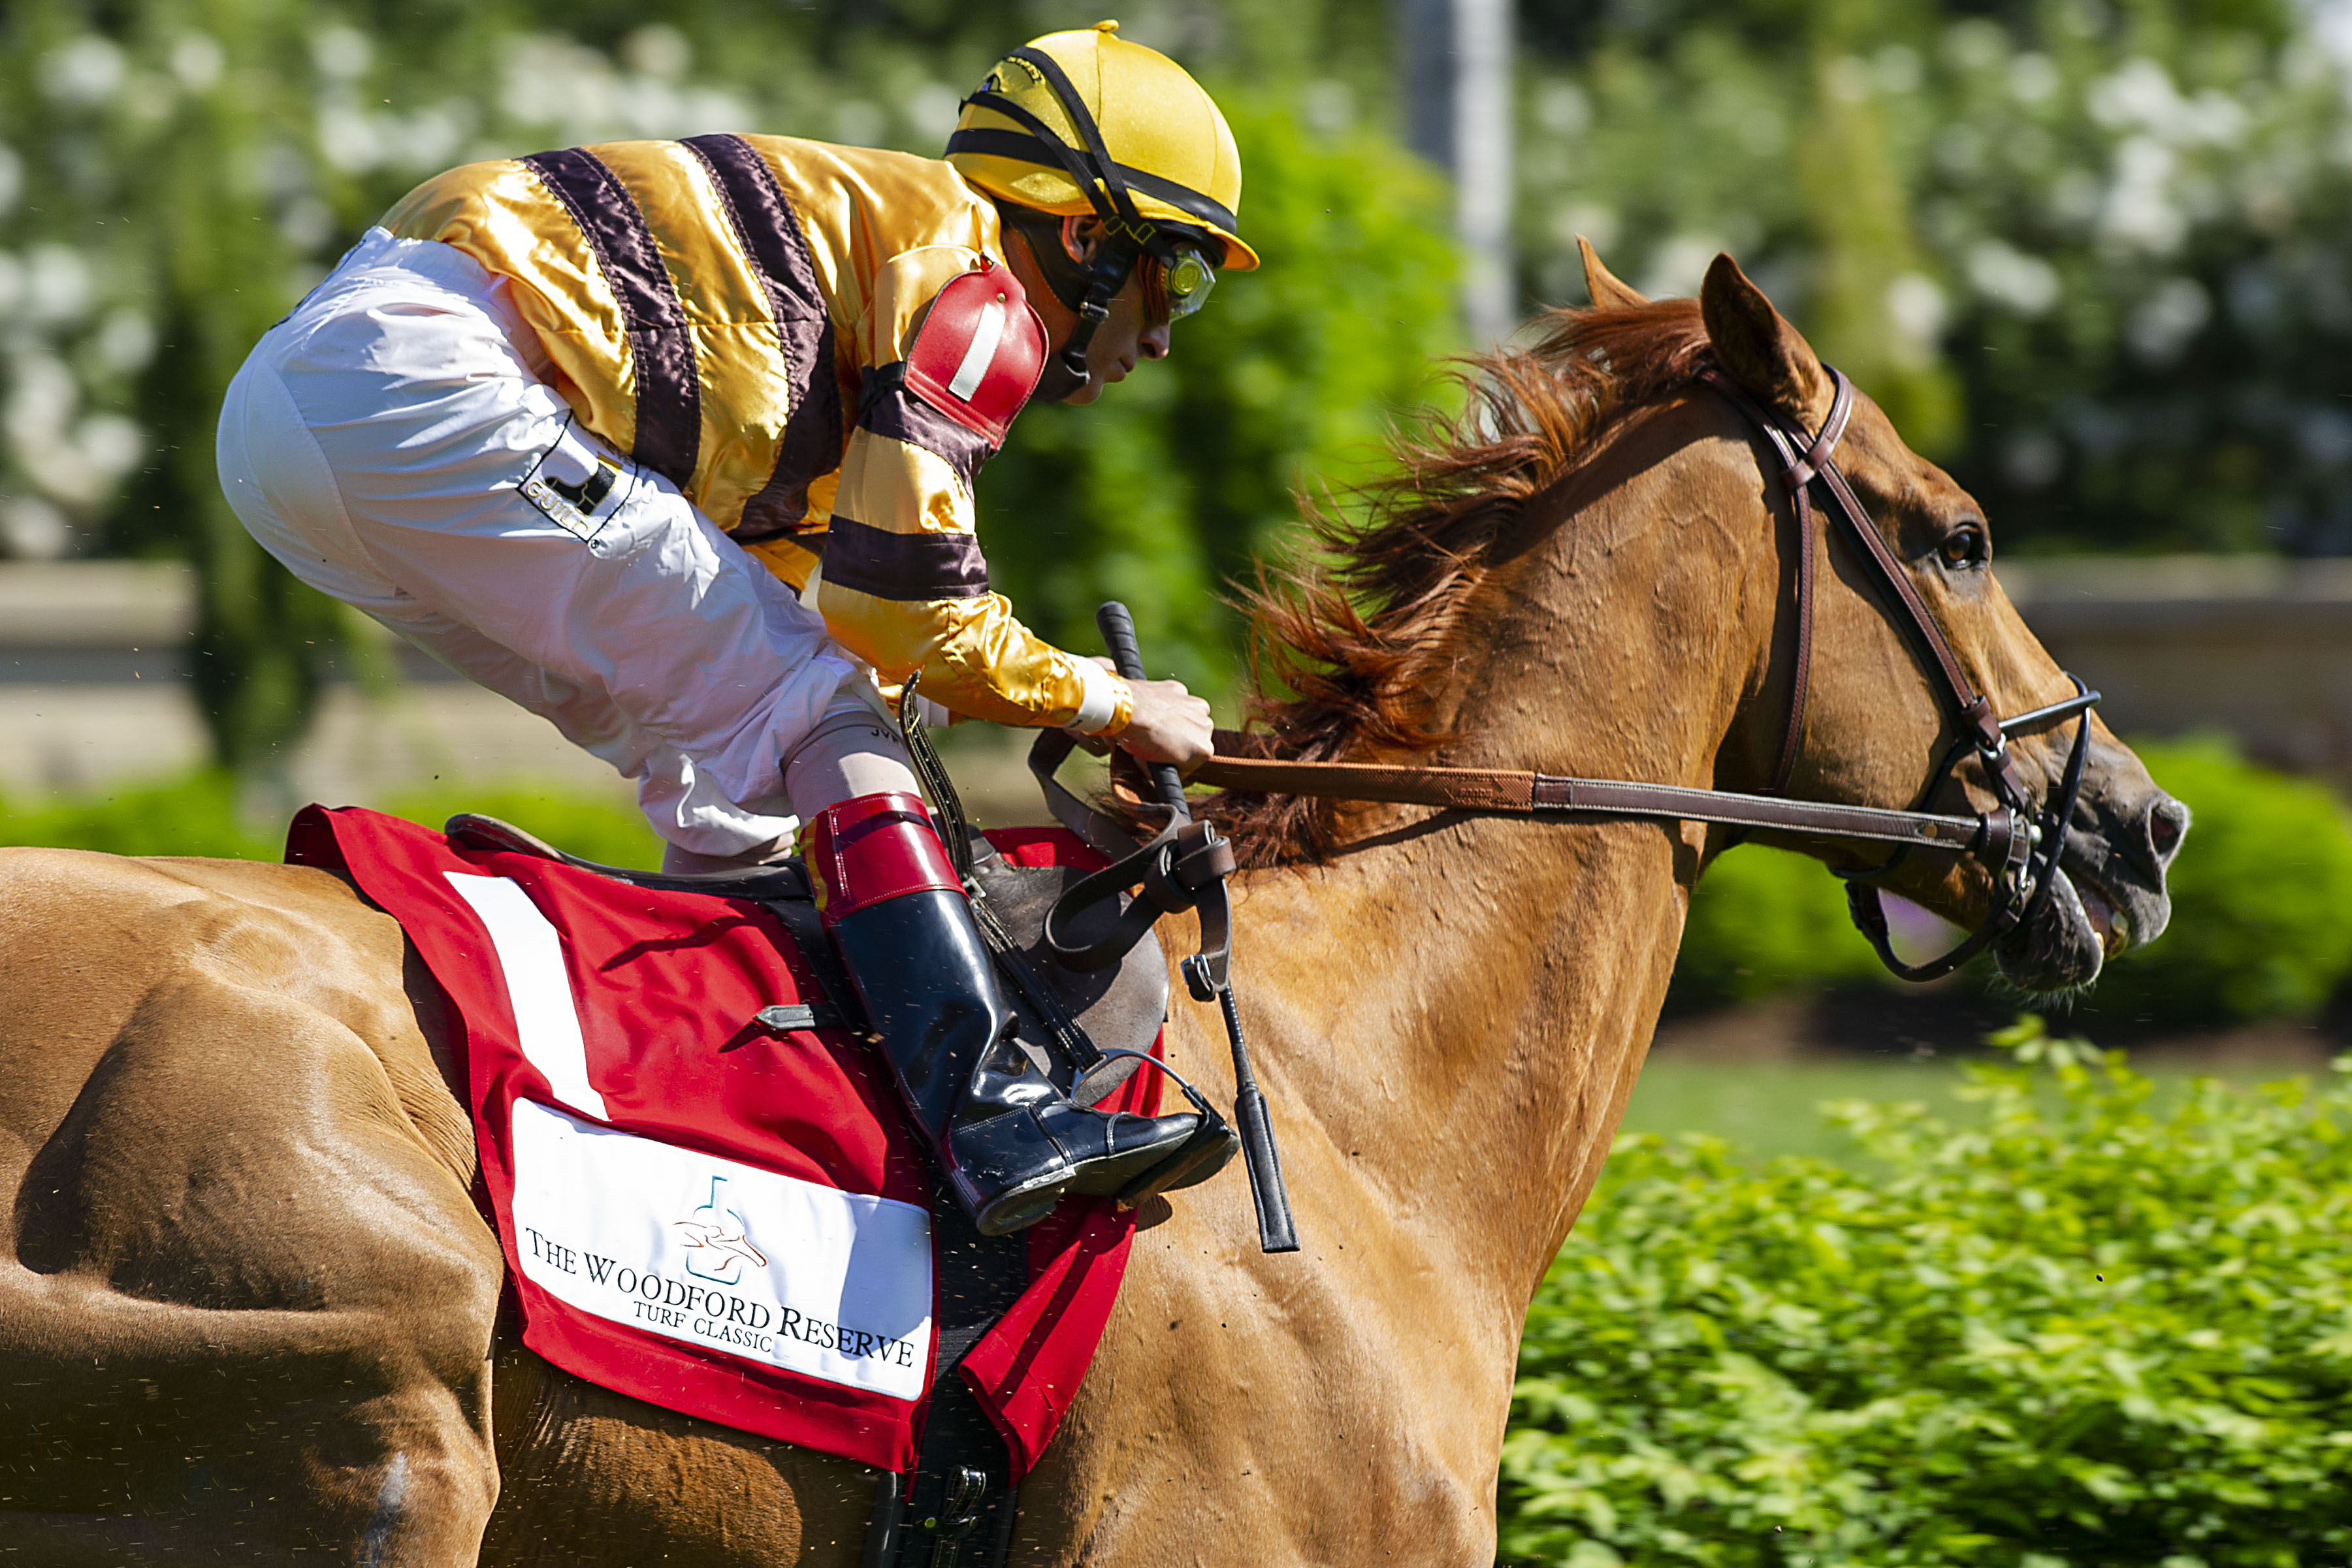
x=904, y=588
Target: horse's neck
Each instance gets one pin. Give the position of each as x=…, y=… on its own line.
x=1463, y=1004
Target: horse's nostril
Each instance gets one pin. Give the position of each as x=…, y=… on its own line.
x=2168, y=819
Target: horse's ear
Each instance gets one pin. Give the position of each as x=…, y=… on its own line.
x=1758, y=348
x=1608, y=290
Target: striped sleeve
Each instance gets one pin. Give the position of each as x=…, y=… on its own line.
x=903, y=584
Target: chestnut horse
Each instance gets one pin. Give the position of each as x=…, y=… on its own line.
x=248, y=1312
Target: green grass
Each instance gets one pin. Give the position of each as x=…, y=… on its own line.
x=1765, y=1109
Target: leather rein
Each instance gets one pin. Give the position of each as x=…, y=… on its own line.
x=2018, y=846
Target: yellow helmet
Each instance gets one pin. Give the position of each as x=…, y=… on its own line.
x=1084, y=121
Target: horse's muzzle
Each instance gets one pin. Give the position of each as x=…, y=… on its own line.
x=2111, y=894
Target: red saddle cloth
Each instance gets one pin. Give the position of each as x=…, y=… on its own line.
x=696, y=1211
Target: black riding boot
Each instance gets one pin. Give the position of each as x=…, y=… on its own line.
x=1010, y=1143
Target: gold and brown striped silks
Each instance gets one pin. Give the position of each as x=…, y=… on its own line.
x=713, y=307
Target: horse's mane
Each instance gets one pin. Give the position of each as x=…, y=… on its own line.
x=1346, y=643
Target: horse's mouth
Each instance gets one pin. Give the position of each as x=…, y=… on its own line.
x=2079, y=928
x=2108, y=923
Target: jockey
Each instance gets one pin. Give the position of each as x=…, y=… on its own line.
x=672, y=443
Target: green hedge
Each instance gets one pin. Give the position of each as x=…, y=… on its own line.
x=2261, y=919
x=2064, y=1331
x=197, y=814
x=2261, y=896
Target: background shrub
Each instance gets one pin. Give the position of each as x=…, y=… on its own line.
x=197, y=814
x=2261, y=896
x=2063, y=1331
x=1763, y=922
x=2262, y=915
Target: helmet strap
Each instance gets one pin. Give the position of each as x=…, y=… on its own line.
x=1085, y=288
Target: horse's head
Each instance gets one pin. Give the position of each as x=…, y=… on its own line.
x=1594, y=573
x=1876, y=725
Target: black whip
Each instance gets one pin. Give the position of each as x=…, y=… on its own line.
x=1208, y=979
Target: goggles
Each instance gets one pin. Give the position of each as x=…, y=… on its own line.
x=1180, y=282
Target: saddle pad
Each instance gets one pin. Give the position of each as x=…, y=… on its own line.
x=697, y=1212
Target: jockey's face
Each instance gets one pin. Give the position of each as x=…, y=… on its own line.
x=1127, y=337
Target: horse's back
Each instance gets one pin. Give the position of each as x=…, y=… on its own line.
x=246, y=1305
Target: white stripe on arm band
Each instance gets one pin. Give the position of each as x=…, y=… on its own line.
x=981, y=354
x=1099, y=705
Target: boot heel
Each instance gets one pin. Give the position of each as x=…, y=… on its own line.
x=1008, y=1172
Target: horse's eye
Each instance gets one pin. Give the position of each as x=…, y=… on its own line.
x=1964, y=546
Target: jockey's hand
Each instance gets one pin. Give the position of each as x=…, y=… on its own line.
x=1168, y=724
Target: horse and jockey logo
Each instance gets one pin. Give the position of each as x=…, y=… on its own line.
x=718, y=1241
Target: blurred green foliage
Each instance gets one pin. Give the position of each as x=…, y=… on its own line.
x=1764, y=922
x=198, y=815
x=2262, y=897
x=2061, y=1330
x=2261, y=909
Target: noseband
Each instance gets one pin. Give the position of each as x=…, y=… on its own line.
x=2019, y=847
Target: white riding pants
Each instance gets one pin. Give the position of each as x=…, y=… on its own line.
x=396, y=443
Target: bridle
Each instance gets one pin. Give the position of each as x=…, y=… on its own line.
x=2026, y=872
x=2019, y=847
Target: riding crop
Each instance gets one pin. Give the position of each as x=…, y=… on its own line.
x=1184, y=866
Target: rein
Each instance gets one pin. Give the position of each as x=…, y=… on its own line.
x=2019, y=846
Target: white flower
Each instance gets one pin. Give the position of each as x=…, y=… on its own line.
x=41, y=401
x=32, y=528
x=2139, y=94
x=2033, y=77
x=342, y=53
x=197, y=61
x=1679, y=265
x=125, y=342
x=2139, y=212
x=85, y=71
x=57, y=285
x=658, y=51
x=933, y=107
x=2025, y=284
x=2171, y=315
x=1594, y=222
x=111, y=444
x=1916, y=312
x=1562, y=108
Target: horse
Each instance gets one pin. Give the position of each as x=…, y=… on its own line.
x=249, y=1313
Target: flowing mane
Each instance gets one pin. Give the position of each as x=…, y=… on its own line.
x=1345, y=645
